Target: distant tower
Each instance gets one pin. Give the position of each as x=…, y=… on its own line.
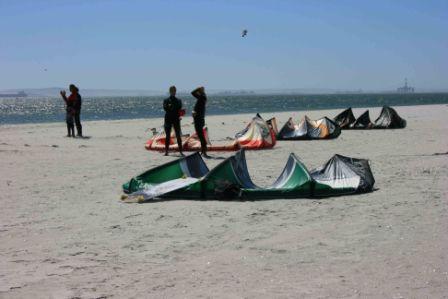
x=405, y=88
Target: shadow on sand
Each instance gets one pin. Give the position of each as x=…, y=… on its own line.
x=236, y=200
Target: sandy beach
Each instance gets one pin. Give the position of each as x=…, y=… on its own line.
x=65, y=234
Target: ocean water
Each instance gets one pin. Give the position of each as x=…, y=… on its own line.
x=35, y=110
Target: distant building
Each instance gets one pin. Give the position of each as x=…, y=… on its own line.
x=405, y=88
x=20, y=94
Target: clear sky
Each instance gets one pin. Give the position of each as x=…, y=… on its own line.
x=150, y=44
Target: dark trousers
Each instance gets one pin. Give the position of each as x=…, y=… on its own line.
x=70, y=125
x=69, y=119
x=78, y=123
x=199, y=123
x=168, y=126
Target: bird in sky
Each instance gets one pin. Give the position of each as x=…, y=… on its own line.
x=244, y=33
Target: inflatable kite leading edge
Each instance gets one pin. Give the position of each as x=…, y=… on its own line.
x=189, y=178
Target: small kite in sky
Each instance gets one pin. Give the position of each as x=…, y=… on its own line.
x=244, y=33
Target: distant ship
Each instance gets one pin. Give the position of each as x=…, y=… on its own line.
x=405, y=88
x=20, y=94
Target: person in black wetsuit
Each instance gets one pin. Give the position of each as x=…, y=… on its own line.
x=77, y=107
x=172, y=107
x=199, y=117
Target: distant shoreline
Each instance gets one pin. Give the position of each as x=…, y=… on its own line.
x=100, y=93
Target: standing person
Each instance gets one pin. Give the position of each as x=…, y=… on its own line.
x=172, y=107
x=75, y=100
x=78, y=101
x=199, y=117
x=70, y=113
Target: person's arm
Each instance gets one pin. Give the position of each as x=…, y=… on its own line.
x=200, y=103
x=64, y=96
x=197, y=92
x=165, y=105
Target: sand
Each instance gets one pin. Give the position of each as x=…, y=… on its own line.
x=65, y=234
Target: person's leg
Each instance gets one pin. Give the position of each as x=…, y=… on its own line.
x=72, y=127
x=78, y=123
x=69, y=132
x=69, y=121
x=199, y=127
x=176, y=126
x=167, y=136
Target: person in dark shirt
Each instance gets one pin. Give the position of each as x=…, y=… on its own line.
x=78, y=102
x=199, y=117
x=172, y=107
x=70, y=112
x=75, y=102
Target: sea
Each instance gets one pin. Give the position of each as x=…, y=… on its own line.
x=43, y=110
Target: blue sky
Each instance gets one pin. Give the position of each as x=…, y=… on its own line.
x=344, y=44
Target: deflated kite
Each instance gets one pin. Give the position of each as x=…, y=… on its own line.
x=257, y=135
x=189, y=178
x=388, y=119
x=323, y=128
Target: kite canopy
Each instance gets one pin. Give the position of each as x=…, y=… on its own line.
x=389, y=119
x=363, y=122
x=192, y=166
x=344, y=173
x=257, y=135
x=323, y=128
x=189, y=177
x=345, y=119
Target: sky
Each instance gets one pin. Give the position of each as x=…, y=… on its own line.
x=151, y=44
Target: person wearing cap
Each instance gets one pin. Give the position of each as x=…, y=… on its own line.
x=199, y=117
x=172, y=107
x=73, y=102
